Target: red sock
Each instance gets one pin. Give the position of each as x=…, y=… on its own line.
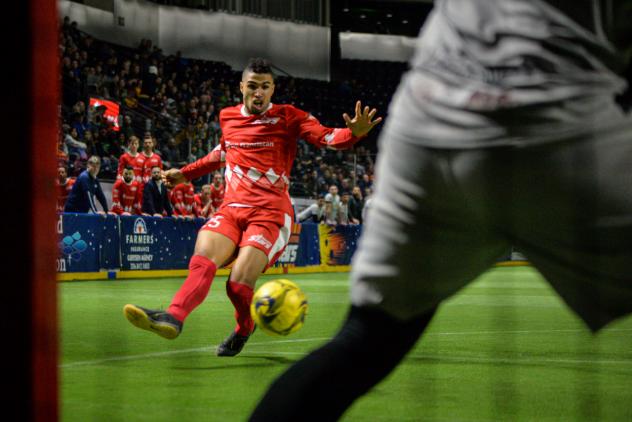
x=194, y=289
x=241, y=296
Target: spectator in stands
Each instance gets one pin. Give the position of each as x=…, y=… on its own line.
x=367, y=203
x=182, y=200
x=171, y=155
x=333, y=209
x=356, y=205
x=127, y=194
x=203, y=202
x=132, y=158
x=343, y=211
x=86, y=190
x=150, y=158
x=77, y=150
x=314, y=212
x=64, y=186
x=365, y=183
x=107, y=147
x=331, y=212
x=155, y=196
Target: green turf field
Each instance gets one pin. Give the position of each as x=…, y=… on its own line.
x=503, y=349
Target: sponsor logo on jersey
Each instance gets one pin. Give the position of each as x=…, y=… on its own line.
x=262, y=144
x=260, y=240
x=266, y=121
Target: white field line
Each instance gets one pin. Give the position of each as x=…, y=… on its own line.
x=318, y=339
x=176, y=352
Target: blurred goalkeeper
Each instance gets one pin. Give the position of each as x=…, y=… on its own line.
x=504, y=132
x=253, y=224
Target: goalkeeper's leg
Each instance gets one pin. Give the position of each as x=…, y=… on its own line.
x=325, y=383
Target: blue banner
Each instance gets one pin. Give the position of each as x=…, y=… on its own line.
x=154, y=243
x=93, y=243
x=87, y=242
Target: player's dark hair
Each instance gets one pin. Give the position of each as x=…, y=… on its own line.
x=258, y=65
x=129, y=168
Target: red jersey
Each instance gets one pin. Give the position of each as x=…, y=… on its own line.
x=217, y=195
x=63, y=191
x=127, y=197
x=148, y=162
x=137, y=162
x=182, y=199
x=199, y=206
x=258, y=152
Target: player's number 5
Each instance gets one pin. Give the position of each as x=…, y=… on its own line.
x=214, y=221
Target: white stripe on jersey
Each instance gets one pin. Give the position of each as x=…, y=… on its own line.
x=284, y=237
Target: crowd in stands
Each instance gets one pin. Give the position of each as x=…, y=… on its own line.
x=173, y=103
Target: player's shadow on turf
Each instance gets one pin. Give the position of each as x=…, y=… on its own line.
x=272, y=360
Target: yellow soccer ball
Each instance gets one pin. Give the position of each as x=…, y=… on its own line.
x=279, y=307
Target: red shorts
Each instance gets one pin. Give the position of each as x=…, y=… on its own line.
x=264, y=229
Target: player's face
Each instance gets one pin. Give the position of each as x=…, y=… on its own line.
x=62, y=174
x=148, y=144
x=217, y=180
x=128, y=176
x=257, y=90
x=133, y=145
x=206, y=193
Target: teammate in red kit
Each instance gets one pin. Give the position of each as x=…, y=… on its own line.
x=217, y=191
x=182, y=200
x=203, y=202
x=258, y=146
x=150, y=158
x=127, y=194
x=64, y=186
x=131, y=158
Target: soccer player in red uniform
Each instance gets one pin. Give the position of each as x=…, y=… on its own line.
x=150, y=158
x=203, y=202
x=258, y=146
x=131, y=158
x=182, y=200
x=127, y=194
x=217, y=191
x=64, y=186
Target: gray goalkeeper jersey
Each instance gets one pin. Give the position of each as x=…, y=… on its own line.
x=485, y=65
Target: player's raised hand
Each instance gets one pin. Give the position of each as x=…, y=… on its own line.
x=173, y=177
x=363, y=121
